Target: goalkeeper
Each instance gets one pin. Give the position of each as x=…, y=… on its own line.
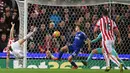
x=99, y=51
x=78, y=42
x=15, y=48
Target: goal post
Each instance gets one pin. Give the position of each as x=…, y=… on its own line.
x=62, y=15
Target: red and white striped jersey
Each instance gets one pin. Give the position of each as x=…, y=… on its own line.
x=106, y=27
x=8, y=45
x=10, y=42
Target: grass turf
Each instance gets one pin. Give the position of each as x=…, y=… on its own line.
x=58, y=71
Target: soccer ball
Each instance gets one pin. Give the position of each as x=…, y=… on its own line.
x=56, y=34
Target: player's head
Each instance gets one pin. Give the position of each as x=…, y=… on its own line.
x=43, y=27
x=105, y=12
x=78, y=28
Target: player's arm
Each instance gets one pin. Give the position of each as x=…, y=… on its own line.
x=118, y=33
x=96, y=29
x=12, y=30
x=89, y=43
x=97, y=39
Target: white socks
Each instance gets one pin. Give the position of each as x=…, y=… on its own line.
x=28, y=35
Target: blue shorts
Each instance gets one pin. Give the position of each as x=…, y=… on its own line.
x=74, y=50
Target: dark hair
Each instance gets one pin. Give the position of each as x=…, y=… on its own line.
x=105, y=12
x=80, y=27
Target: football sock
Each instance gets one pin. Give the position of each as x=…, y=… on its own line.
x=89, y=57
x=114, y=60
x=73, y=64
x=121, y=61
x=28, y=35
x=60, y=54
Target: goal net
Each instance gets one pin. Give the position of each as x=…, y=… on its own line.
x=62, y=15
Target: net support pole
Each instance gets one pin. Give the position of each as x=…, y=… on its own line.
x=25, y=33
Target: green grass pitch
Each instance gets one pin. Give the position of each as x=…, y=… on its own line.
x=58, y=71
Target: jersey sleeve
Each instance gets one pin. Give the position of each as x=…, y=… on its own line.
x=97, y=39
x=98, y=23
x=114, y=25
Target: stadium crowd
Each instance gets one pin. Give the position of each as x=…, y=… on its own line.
x=62, y=18
x=51, y=18
x=8, y=14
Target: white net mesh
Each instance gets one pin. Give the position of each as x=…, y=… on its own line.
x=60, y=15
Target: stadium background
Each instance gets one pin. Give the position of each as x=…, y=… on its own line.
x=51, y=18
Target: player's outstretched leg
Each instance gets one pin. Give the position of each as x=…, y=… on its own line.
x=114, y=60
x=74, y=66
x=89, y=57
x=16, y=46
x=21, y=41
x=108, y=68
x=95, y=51
x=114, y=53
x=62, y=50
x=122, y=63
x=49, y=55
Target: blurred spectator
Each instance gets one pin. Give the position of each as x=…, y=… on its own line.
x=31, y=30
x=94, y=19
x=105, y=6
x=15, y=19
x=55, y=18
x=8, y=17
x=35, y=15
x=127, y=40
x=43, y=16
x=66, y=11
x=40, y=35
x=66, y=19
x=88, y=30
x=31, y=45
x=51, y=28
x=47, y=44
x=73, y=16
x=32, y=48
x=129, y=28
x=71, y=38
x=4, y=26
x=2, y=5
x=80, y=21
x=55, y=45
x=66, y=16
x=36, y=10
x=87, y=14
x=128, y=8
x=3, y=42
x=62, y=41
x=96, y=10
x=122, y=10
x=62, y=28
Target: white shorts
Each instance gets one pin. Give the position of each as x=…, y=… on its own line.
x=17, y=50
x=107, y=45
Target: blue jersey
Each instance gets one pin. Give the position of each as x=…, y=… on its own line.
x=79, y=39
